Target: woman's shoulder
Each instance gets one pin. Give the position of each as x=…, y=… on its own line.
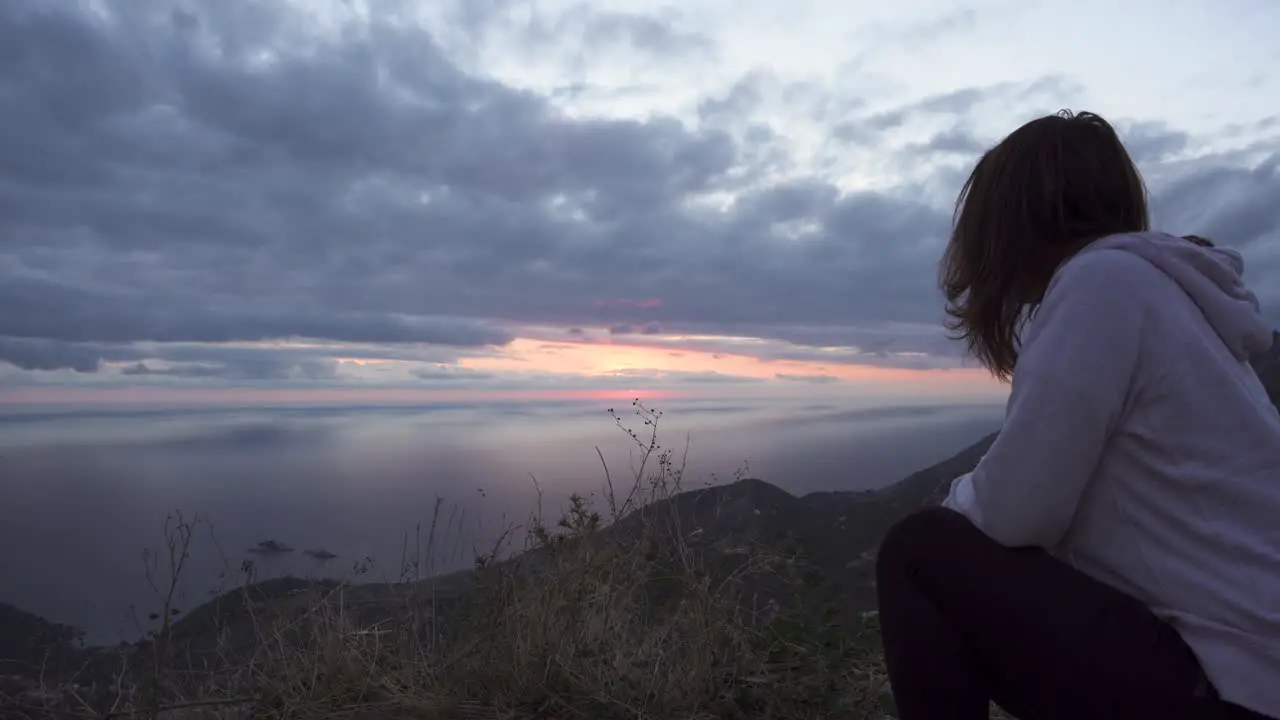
x=1107, y=271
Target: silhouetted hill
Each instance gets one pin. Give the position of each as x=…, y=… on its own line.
x=26, y=635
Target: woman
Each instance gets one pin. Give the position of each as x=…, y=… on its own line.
x=1116, y=554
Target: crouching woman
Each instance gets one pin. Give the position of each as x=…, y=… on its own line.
x=1116, y=553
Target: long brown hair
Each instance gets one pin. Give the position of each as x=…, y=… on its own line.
x=1051, y=187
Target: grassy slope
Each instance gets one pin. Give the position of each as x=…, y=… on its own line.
x=732, y=601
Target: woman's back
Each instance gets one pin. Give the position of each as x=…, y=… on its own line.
x=1183, y=509
x=1116, y=553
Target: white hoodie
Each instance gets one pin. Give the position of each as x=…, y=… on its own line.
x=1140, y=446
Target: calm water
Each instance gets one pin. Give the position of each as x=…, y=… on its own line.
x=83, y=494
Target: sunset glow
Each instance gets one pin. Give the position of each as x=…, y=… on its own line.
x=622, y=358
x=536, y=369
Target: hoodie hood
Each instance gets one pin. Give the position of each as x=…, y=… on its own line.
x=1211, y=276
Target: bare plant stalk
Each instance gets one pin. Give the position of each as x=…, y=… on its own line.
x=177, y=550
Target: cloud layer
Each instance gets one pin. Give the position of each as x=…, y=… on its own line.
x=182, y=190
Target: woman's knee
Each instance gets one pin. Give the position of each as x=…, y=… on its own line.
x=921, y=535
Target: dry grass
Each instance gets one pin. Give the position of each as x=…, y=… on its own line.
x=619, y=612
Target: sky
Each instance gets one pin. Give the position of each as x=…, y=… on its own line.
x=384, y=200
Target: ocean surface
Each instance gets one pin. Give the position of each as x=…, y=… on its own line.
x=85, y=494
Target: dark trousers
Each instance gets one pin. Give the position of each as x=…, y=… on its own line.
x=966, y=621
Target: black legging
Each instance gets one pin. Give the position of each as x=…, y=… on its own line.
x=966, y=621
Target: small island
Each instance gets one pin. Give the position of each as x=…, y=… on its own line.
x=270, y=547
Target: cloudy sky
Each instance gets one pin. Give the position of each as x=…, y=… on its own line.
x=351, y=199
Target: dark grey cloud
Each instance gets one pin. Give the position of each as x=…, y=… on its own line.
x=449, y=374
x=959, y=103
x=739, y=101
x=1236, y=206
x=266, y=367
x=955, y=140
x=606, y=31
x=202, y=360
x=227, y=172
x=55, y=309
x=1153, y=141
x=651, y=328
x=42, y=355
x=584, y=30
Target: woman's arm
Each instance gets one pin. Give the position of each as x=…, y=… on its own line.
x=1070, y=387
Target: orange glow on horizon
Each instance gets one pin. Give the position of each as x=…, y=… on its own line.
x=523, y=355
x=560, y=369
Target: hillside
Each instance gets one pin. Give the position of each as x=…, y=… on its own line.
x=779, y=585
